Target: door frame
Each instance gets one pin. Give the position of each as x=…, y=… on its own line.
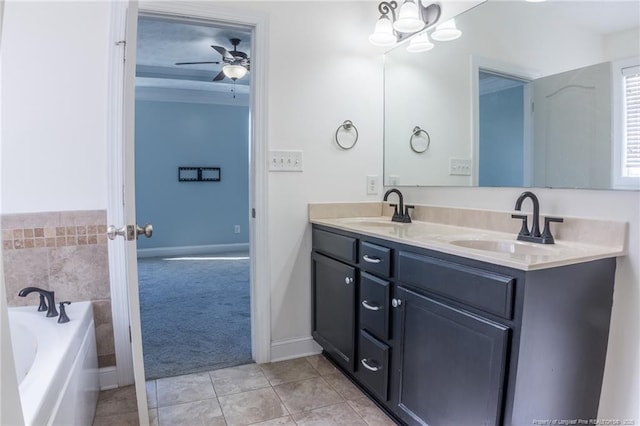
x=258, y=180
x=479, y=63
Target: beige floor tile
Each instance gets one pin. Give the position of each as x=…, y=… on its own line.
x=307, y=394
x=238, y=379
x=123, y=419
x=204, y=413
x=152, y=394
x=187, y=388
x=252, y=407
x=321, y=365
x=370, y=412
x=288, y=371
x=117, y=401
x=282, y=421
x=332, y=415
x=341, y=384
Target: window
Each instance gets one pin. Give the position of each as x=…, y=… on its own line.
x=626, y=124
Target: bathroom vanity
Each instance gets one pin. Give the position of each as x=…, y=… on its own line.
x=440, y=332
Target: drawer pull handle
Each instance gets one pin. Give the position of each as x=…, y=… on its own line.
x=370, y=307
x=348, y=280
x=365, y=364
x=371, y=259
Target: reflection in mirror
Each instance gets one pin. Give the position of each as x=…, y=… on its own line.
x=532, y=94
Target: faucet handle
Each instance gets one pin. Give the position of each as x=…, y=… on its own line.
x=407, y=218
x=63, y=313
x=546, y=236
x=43, y=305
x=524, y=230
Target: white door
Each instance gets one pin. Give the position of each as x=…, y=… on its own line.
x=127, y=232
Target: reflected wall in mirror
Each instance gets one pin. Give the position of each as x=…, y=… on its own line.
x=530, y=95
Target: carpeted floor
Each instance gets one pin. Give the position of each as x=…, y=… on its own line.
x=195, y=313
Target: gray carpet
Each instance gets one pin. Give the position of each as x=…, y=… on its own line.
x=195, y=314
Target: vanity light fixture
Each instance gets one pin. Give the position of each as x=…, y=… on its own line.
x=420, y=43
x=446, y=31
x=413, y=16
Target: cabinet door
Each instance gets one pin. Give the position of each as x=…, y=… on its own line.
x=334, y=290
x=452, y=364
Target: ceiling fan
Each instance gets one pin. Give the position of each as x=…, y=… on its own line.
x=237, y=63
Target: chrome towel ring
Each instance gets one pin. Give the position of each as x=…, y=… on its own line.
x=346, y=127
x=417, y=144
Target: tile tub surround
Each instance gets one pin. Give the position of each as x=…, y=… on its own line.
x=65, y=252
x=577, y=239
x=303, y=391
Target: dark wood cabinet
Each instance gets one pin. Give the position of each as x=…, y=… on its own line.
x=452, y=363
x=443, y=340
x=334, y=293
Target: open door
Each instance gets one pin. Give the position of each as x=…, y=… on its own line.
x=126, y=233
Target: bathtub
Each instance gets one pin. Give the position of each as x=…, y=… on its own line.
x=56, y=365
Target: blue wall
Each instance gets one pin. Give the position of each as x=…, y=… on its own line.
x=501, y=138
x=173, y=134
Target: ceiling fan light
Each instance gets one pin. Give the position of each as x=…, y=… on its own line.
x=420, y=43
x=446, y=31
x=383, y=34
x=408, y=18
x=234, y=72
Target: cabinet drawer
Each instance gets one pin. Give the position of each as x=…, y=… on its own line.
x=374, y=302
x=334, y=245
x=375, y=258
x=485, y=290
x=373, y=365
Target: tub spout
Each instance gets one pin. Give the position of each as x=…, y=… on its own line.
x=49, y=295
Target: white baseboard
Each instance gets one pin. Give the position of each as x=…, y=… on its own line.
x=293, y=348
x=108, y=378
x=192, y=250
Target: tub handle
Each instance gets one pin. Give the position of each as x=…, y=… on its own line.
x=63, y=313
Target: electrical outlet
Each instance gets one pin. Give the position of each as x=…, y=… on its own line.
x=372, y=184
x=393, y=180
x=236, y=229
x=285, y=161
x=459, y=167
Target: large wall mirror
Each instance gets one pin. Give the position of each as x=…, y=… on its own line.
x=531, y=95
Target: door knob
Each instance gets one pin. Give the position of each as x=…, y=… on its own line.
x=130, y=232
x=146, y=230
x=396, y=302
x=113, y=232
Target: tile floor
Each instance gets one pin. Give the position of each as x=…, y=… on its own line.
x=303, y=391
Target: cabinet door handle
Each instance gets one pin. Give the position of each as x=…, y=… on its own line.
x=348, y=280
x=365, y=364
x=370, y=307
x=371, y=259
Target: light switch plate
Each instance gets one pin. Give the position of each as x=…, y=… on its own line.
x=372, y=184
x=285, y=160
x=393, y=180
x=459, y=167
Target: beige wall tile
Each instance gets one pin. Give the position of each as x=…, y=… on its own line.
x=80, y=272
x=25, y=268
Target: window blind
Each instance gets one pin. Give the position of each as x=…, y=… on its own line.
x=631, y=150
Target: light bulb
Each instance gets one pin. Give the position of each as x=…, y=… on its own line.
x=446, y=31
x=420, y=43
x=383, y=34
x=408, y=18
x=234, y=72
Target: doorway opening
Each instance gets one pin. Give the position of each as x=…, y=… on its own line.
x=192, y=182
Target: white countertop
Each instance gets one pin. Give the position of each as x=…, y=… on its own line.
x=446, y=239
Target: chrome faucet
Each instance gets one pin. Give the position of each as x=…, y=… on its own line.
x=534, y=234
x=49, y=295
x=403, y=215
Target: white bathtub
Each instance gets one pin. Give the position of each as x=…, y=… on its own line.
x=56, y=365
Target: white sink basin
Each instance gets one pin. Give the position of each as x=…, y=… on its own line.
x=501, y=246
x=374, y=223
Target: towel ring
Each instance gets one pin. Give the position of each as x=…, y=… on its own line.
x=417, y=147
x=346, y=126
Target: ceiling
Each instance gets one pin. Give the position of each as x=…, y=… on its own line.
x=163, y=42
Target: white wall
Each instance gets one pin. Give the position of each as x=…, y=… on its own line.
x=54, y=72
x=622, y=44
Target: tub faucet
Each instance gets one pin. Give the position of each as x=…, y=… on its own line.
x=534, y=234
x=403, y=215
x=49, y=295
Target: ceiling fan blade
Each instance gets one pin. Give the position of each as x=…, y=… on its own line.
x=219, y=77
x=194, y=63
x=221, y=50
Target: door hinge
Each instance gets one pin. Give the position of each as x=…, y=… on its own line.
x=253, y=213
